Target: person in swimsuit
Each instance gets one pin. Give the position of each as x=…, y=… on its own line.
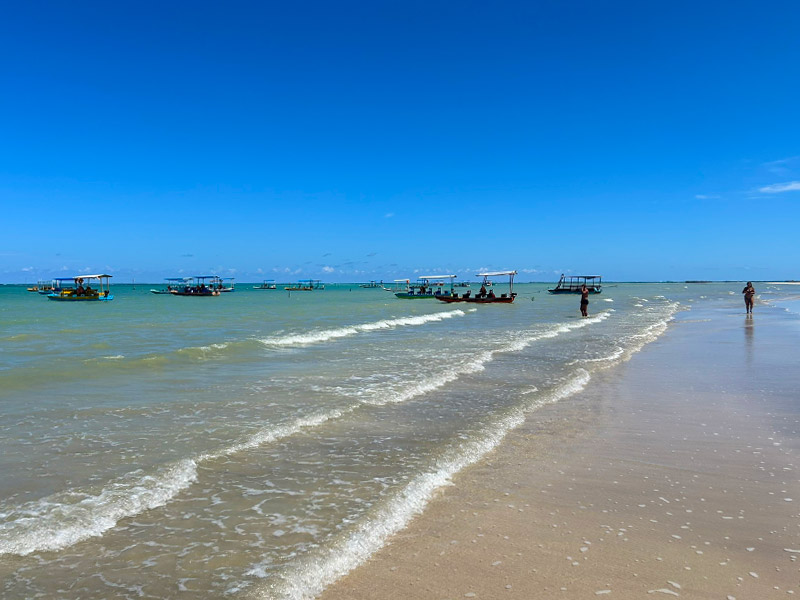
x=749, y=293
x=584, y=301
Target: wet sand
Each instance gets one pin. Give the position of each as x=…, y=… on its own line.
x=674, y=474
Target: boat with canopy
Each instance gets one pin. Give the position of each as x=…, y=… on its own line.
x=267, y=284
x=198, y=286
x=306, y=285
x=428, y=286
x=573, y=284
x=484, y=296
x=63, y=292
x=172, y=284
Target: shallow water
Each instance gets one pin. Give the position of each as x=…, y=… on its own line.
x=264, y=443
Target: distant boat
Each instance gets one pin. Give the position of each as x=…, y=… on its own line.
x=574, y=284
x=371, y=284
x=222, y=287
x=266, y=285
x=197, y=287
x=484, y=296
x=78, y=293
x=306, y=285
x=172, y=284
x=428, y=286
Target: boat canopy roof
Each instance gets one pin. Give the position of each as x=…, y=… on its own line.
x=99, y=276
x=177, y=278
x=438, y=277
x=496, y=273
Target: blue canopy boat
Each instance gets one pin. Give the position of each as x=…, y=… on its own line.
x=79, y=293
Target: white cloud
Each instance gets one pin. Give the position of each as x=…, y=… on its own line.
x=777, y=188
x=328, y=269
x=706, y=196
x=27, y=269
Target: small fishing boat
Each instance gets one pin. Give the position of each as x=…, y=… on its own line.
x=484, y=296
x=62, y=292
x=267, y=284
x=306, y=285
x=429, y=286
x=199, y=286
x=573, y=284
x=371, y=284
x=172, y=284
x=223, y=287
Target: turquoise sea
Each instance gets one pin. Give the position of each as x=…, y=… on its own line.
x=261, y=443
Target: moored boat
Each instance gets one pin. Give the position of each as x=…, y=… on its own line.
x=484, y=296
x=79, y=293
x=172, y=284
x=267, y=284
x=429, y=286
x=573, y=284
x=198, y=286
x=306, y=285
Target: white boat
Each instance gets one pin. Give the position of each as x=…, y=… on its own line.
x=428, y=286
x=267, y=284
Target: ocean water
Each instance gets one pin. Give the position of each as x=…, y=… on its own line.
x=261, y=444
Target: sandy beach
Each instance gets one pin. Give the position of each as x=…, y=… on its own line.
x=672, y=475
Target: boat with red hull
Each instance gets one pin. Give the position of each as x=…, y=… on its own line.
x=484, y=297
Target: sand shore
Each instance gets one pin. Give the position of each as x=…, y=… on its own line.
x=672, y=475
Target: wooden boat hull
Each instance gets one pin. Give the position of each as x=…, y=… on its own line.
x=198, y=295
x=476, y=300
x=72, y=298
x=406, y=296
x=566, y=291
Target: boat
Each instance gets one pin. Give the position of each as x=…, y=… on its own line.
x=573, y=284
x=222, y=287
x=429, y=286
x=371, y=284
x=306, y=285
x=266, y=285
x=484, y=296
x=198, y=286
x=63, y=292
x=172, y=284
x=44, y=287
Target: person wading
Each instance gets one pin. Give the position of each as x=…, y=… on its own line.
x=749, y=293
x=584, y=301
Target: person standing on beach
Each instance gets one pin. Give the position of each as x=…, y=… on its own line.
x=584, y=301
x=749, y=293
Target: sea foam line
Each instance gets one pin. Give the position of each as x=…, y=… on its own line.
x=316, y=337
x=478, y=363
x=311, y=575
x=54, y=523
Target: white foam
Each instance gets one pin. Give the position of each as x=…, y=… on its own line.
x=478, y=362
x=308, y=577
x=57, y=521
x=316, y=337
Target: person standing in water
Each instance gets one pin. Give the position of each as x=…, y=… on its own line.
x=749, y=293
x=584, y=301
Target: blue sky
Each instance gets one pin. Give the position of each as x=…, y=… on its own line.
x=375, y=140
